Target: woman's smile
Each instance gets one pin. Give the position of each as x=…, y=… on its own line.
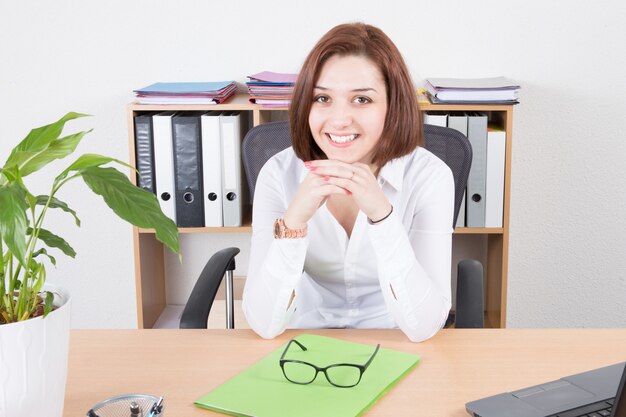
x=341, y=141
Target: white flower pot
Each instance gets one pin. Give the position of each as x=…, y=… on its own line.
x=33, y=362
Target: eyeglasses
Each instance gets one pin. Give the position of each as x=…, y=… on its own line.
x=342, y=375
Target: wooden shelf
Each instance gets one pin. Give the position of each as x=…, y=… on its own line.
x=149, y=259
x=248, y=228
x=184, y=230
x=478, y=231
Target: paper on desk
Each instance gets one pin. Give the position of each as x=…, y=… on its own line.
x=262, y=390
x=473, y=83
x=274, y=77
x=187, y=87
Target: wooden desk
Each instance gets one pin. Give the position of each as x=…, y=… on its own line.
x=457, y=366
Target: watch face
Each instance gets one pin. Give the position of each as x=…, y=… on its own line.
x=277, y=228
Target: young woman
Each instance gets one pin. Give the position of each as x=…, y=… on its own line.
x=352, y=226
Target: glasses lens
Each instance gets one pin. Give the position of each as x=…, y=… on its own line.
x=300, y=373
x=344, y=375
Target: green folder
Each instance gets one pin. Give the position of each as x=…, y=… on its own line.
x=262, y=390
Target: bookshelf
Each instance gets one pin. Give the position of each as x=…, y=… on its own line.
x=148, y=252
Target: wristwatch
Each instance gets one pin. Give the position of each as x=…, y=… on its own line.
x=283, y=232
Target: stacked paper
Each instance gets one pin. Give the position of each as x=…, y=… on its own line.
x=496, y=90
x=271, y=89
x=186, y=93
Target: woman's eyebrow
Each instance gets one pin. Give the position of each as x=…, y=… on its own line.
x=355, y=90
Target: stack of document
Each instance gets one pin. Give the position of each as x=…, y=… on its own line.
x=271, y=89
x=186, y=93
x=496, y=90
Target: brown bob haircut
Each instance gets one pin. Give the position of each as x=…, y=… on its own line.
x=402, y=132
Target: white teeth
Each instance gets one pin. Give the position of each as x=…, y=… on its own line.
x=342, y=139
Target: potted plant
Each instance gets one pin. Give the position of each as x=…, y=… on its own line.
x=34, y=316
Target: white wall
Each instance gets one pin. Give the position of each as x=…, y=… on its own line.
x=568, y=207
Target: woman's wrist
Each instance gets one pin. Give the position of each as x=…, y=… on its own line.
x=293, y=223
x=379, y=219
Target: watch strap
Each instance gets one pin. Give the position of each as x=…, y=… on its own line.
x=283, y=232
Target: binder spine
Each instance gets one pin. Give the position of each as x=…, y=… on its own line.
x=476, y=182
x=231, y=169
x=212, y=169
x=496, y=150
x=188, y=169
x=144, y=152
x=164, y=163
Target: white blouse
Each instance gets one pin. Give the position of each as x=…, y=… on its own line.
x=395, y=273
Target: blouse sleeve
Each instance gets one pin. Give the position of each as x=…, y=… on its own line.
x=414, y=265
x=276, y=265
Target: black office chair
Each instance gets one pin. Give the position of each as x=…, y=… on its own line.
x=453, y=148
x=264, y=141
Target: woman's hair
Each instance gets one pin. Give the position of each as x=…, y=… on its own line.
x=402, y=131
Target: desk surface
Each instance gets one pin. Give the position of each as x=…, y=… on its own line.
x=457, y=366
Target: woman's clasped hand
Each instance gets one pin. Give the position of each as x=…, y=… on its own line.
x=328, y=177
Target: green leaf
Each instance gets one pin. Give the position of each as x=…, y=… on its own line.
x=54, y=241
x=44, y=252
x=10, y=173
x=47, y=306
x=31, y=200
x=39, y=276
x=57, y=149
x=13, y=220
x=38, y=139
x=136, y=206
x=56, y=203
x=2, y=263
x=87, y=161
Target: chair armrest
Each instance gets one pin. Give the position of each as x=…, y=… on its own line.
x=196, y=312
x=469, y=295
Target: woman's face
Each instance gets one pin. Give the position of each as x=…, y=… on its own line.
x=349, y=108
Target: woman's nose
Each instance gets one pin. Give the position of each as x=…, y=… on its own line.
x=341, y=117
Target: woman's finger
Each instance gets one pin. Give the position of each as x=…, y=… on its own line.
x=330, y=167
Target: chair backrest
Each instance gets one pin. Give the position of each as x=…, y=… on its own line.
x=451, y=146
x=260, y=144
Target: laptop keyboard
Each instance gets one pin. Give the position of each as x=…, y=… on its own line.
x=599, y=409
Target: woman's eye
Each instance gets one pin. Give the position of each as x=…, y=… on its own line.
x=321, y=99
x=362, y=100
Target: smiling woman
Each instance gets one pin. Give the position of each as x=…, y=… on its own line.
x=402, y=128
x=349, y=108
x=351, y=226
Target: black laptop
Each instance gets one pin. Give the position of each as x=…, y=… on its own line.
x=595, y=393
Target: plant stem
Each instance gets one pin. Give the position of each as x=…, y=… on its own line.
x=2, y=271
x=9, y=293
x=23, y=306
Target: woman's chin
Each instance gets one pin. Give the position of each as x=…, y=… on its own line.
x=341, y=157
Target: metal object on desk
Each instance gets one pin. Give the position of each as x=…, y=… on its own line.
x=129, y=405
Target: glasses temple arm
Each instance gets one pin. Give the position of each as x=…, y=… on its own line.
x=300, y=345
x=371, y=357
